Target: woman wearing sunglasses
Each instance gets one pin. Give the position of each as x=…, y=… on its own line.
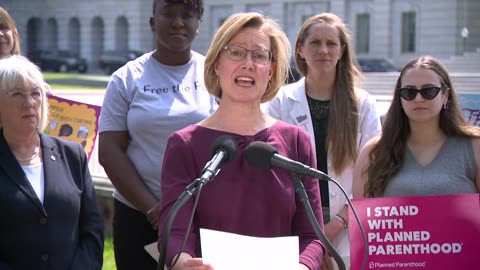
x=427, y=147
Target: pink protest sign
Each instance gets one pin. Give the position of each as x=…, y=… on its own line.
x=73, y=121
x=431, y=232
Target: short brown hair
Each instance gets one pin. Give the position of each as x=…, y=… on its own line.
x=7, y=22
x=280, y=48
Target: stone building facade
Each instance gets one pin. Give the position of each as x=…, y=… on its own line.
x=395, y=29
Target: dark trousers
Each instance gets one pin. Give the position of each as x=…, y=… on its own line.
x=131, y=232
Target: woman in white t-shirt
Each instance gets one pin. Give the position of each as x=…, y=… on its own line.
x=146, y=100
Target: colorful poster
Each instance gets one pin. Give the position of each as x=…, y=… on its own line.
x=73, y=121
x=431, y=232
x=470, y=105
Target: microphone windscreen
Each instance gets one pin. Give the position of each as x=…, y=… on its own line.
x=259, y=154
x=227, y=144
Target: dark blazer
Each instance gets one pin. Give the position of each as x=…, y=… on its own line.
x=66, y=232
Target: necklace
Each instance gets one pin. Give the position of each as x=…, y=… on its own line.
x=34, y=155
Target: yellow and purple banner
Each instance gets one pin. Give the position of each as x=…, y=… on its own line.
x=417, y=233
x=73, y=121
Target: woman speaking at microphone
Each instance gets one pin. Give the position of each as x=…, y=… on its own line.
x=245, y=66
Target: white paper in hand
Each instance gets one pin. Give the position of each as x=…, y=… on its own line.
x=229, y=251
x=152, y=250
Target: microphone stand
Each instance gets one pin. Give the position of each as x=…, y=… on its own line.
x=209, y=172
x=322, y=176
x=300, y=190
x=190, y=190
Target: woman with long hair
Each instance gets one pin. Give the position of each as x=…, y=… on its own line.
x=339, y=117
x=426, y=147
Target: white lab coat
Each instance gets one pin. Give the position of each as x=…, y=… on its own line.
x=291, y=106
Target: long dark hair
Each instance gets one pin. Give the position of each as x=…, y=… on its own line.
x=387, y=156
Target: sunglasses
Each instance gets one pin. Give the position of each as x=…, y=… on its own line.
x=428, y=93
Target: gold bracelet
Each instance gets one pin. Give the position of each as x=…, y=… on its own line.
x=342, y=220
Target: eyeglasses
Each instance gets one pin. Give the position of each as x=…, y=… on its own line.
x=20, y=95
x=428, y=93
x=238, y=53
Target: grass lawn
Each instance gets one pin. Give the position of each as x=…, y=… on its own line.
x=108, y=256
x=75, y=81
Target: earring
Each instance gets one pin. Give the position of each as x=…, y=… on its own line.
x=445, y=105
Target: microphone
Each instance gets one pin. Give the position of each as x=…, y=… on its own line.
x=264, y=156
x=224, y=149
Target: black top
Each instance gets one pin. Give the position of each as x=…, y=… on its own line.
x=319, y=110
x=63, y=232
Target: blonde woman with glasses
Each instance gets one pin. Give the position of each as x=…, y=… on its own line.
x=245, y=66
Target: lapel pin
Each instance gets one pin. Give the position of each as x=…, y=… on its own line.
x=52, y=158
x=301, y=118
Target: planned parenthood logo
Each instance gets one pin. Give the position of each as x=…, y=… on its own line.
x=396, y=265
x=417, y=232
